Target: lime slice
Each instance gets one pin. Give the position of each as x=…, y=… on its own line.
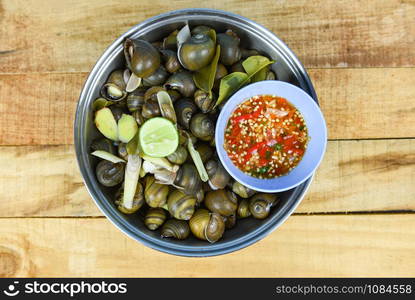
x=158, y=137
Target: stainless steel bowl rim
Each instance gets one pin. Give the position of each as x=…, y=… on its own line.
x=87, y=174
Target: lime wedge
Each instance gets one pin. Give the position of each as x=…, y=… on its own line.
x=158, y=137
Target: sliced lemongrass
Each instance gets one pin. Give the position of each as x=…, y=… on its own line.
x=127, y=128
x=133, y=83
x=132, y=172
x=161, y=161
x=107, y=156
x=106, y=124
x=166, y=106
x=197, y=160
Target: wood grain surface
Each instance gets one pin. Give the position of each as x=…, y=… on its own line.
x=354, y=176
x=354, y=245
x=355, y=103
x=48, y=35
x=360, y=57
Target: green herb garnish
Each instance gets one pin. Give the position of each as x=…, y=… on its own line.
x=278, y=146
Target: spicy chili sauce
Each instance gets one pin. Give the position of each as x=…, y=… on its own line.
x=266, y=136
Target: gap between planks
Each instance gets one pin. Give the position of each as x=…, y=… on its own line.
x=339, y=213
x=87, y=73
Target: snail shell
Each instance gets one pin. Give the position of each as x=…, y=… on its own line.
x=184, y=111
x=221, y=71
x=200, y=196
x=205, y=101
x=117, y=112
x=157, y=78
x=179, y=156
x=249, y=52
x=202, y=127
x=114, y=89
x=174, y=95
x=180, y=205
x=155, y=193
x=171, y=62
x=142, y=58
x=260, y=205
x=237, y=67
x=242, y=190
x=151, y=109
x=207, y=226
x=243, y=209
x=177, y=229
x=170, y=42
x=154, y=218
x=205, y=151
x=138, y=200
x=181, y=81
x=218, y=176
x=223, y=202
x=200, y=29
x=230, y=52
x=188, y=179
x=135, y=100
x=197, y=52
x=110, y=174
x=151, y=93
x=138, y=117
x=270, y=75
x=230, y=221
x=103, y=144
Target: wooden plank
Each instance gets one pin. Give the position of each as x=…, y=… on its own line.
x=367, y=103
x=42, y=181
x=47, y=35
x=375, y=175
x=355, y=103
x=311, y=246
x=38, y=108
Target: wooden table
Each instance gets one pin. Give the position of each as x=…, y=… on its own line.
x=358, y=218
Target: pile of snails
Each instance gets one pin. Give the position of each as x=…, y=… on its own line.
x=198, y=69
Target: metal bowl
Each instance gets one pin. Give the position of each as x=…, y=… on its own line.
x=287, y=67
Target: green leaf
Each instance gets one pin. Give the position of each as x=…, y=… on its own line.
x=261, y=75
x=230, y=83
x=234, y=81
x=256, y=63
x=212, y=34
x=100, y=103
x=205, y=77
